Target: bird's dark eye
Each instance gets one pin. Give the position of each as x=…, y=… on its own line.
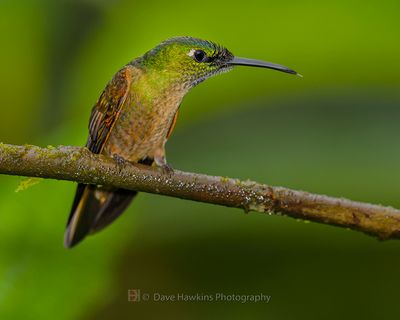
x=199, y=56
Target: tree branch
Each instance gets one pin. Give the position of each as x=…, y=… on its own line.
x=80, y=165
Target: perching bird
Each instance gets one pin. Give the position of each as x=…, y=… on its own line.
x=135, y=115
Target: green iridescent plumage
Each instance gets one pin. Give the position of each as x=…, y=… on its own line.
x=171, y=61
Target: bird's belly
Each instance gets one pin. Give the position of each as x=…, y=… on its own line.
x=139, y=132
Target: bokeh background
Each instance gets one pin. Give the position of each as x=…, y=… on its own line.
x=334, y=132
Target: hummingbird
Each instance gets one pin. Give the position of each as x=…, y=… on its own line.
x=136, y=114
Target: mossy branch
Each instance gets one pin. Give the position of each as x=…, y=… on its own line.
x=80, y=165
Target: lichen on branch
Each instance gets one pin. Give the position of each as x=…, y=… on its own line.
x=80, y=165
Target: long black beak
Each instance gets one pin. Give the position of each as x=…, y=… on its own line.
x=237, y=61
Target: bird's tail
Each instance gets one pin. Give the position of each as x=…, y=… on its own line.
x=93, y=209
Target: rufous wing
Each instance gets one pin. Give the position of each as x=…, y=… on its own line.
x=95, y=207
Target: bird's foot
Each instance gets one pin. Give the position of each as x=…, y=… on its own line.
x=163, y=165
x=120, y=161
x=167, y=169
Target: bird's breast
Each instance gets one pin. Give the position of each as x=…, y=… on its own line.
x=143, y=124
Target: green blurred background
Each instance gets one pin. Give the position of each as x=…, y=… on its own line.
x=334, y=132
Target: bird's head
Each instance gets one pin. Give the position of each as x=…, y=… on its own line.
x=191, y=60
